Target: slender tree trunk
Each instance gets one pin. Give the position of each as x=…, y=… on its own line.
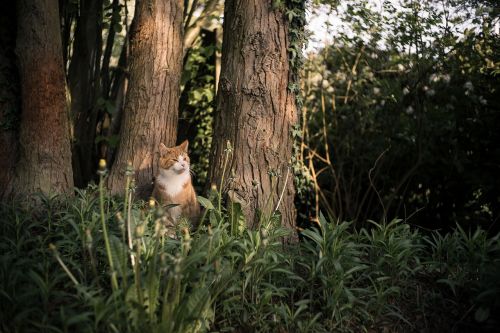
x=45, y=154
x=84, y=85
x=117, y=90
x=151, y=106
x=9, y=96
x=255, y=112
x=68, y=14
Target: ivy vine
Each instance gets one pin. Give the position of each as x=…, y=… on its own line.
x=295, y=14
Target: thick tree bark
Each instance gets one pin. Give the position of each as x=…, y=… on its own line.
x=84, y=85
x=151, y=106
x=9, y=96
x=255, y=111
x=45, y=154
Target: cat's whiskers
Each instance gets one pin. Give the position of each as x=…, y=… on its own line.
x=191, y=171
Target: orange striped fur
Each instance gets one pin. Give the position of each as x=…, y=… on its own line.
x=173, y=184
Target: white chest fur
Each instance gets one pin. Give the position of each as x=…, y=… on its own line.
x=172, y=182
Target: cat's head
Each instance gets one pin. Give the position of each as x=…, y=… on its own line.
x=175, y=159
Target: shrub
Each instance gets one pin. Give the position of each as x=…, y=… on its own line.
x=98, y=264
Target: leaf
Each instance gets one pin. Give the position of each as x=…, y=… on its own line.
x=113, y=140
x=196, y=95
x=110, y=107
x=450, y=283
x=81, y=318
x=482, y=314
x=314, y=235
x=117, y=27
x=209, y=94
x=207, y=204
x=169, y=206
x=119, y=254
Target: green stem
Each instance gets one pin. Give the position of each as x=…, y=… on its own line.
x=114, y=281
x=137, y=272
x=129, y=234
x=63, y=265
x=127, y=185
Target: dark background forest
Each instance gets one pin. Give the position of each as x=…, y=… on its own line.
x=384, y=115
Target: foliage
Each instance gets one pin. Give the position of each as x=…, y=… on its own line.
x=98, y=264
x=400, y=115
x=198, y=102
x=104, y=59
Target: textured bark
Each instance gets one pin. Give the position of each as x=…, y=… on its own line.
x=45, y=155
x=9, y=96
x=151, y=106
x=255, y=111
x=84, y=86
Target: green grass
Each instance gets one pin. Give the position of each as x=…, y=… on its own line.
x=97, y=264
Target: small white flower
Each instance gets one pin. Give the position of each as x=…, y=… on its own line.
x=469, y=86
x=482, y=100
x=329, y=89
x=382, y=102
x=340, y=77
x=315, y=79
x=401, y=67
x=324, y=84
x=406, y=91
x=425, y=88
x=376, y=91
x=446, y=78
x=433, y=78
x=409, y=110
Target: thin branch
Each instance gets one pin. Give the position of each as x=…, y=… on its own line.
x=192, y=30
x=373, y=185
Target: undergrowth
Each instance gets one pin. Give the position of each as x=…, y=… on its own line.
x=98, y=264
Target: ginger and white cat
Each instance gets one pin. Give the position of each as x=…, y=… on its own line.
x=173, y=184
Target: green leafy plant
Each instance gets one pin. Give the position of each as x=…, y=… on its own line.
x=95, y=263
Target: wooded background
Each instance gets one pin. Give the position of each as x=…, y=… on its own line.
x=396, y=115
x=320, y=169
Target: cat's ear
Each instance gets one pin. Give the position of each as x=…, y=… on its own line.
x=163, y=149
x=184, y=145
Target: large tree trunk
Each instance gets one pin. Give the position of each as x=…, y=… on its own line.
x=255, y=111
x=151, y=106
x=83, y=81
x=45, y=154
x=9, y=96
